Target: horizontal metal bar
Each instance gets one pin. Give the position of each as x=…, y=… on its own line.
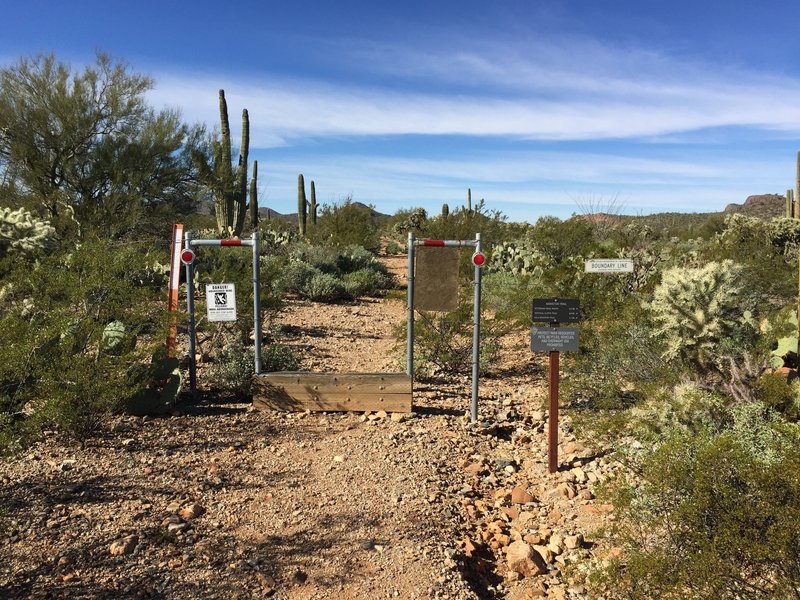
x=220, y=242
x=449, y=243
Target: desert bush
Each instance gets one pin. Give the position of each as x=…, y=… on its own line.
x=715, y=516
x=346, y=224
x=443, y=341
x=365, y=282
x=233, y=367
x=322, y=258
x=323, y=287
x=61, y=362
x=354, y=258
x=777, y=393
x=279, y=357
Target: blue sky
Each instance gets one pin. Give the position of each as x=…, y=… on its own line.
x=541, y=107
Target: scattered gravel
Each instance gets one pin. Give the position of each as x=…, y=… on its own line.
x=223, y=501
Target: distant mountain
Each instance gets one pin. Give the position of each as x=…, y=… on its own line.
x=765, y=206
x=268, y=213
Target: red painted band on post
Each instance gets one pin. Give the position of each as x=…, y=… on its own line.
x=433, y=242
x=230, y=242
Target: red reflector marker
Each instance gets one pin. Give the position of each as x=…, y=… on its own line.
x=479, y=259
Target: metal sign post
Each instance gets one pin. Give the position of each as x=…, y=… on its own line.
x=479, y=260
x=189, y=262
x=553, y=340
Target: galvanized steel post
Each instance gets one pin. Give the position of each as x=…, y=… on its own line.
x=410, y=328
x=476, y=334
x=256, y=304
x=190, y=310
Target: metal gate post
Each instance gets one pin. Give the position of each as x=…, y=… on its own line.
x=190, y=310
x=410, y=328
x=476, y=334
x=256, y=304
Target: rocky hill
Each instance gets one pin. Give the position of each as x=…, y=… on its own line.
x=765, y=206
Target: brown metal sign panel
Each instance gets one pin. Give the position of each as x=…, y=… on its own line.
x=436, y=278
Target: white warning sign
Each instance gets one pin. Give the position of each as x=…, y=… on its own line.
x=221, y=301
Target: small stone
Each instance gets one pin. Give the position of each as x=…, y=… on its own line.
x=124, y=546
x=381, y=414
x=398, y=417
x=544, y=552
x=192, y=511
x=339, y=458
x=520, y=496
x=572, y=542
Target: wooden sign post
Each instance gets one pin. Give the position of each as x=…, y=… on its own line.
x=554, y=340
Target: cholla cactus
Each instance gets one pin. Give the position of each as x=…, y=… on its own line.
x=21, y=232
x=693, y=310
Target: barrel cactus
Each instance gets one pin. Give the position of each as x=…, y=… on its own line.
x=22, y=233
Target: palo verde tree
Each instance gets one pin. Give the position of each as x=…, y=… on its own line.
x=84, y=144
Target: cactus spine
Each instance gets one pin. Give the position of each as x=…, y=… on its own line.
x=445, y=210
x=313, y=207
x=301, y=205
x=254, y=196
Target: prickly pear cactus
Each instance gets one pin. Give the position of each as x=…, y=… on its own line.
x=21, y=232
x=516, y=257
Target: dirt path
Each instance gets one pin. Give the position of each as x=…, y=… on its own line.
x=222, y=501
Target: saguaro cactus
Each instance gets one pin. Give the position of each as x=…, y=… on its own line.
x=445, y=210
x=228, y=187
x=254, y=196
x=301, y=205
x=469, y=199
x=313, y=207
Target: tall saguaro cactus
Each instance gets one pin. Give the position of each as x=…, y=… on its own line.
x=254, y=196
x=301, y=205
x=469, y=199
x=313, y=206
x=228, y=186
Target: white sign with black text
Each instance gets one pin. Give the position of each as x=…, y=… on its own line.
x=221, y=301
x=609, y=265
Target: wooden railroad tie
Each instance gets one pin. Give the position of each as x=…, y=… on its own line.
x=358, y=392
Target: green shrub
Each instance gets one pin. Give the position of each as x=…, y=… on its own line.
x=355, y=258
x=365, y=282
x=443, y=341
x=233, y=367
x=279, y=357
x=775, y=392
x=83, y=345
x=297, y=274
x=323, y=287
x=346, y=224
x=712, y=519
x=323, y=258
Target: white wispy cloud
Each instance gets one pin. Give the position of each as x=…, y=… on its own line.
x=576, y=90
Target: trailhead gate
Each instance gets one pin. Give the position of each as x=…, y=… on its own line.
x=478, y=260
x=187, y=257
